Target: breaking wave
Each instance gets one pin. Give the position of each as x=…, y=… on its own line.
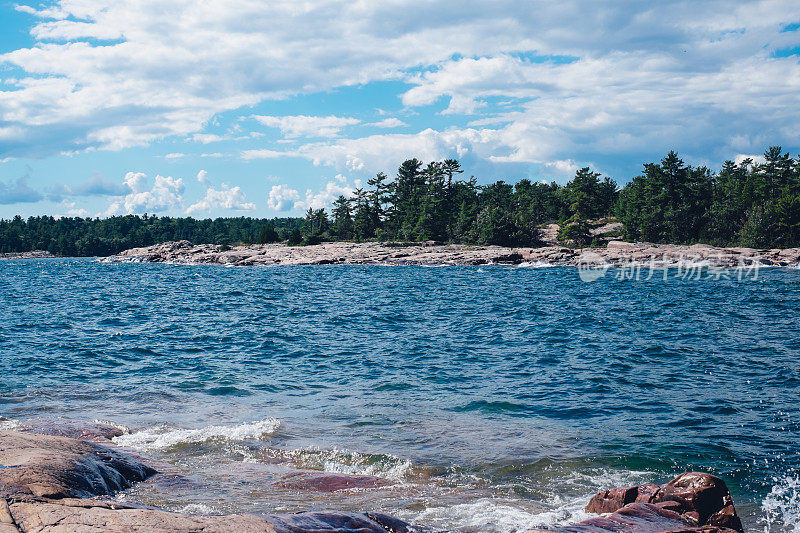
x=535, y=264
x=491, y=515
x=352, y=463
x=162, y=437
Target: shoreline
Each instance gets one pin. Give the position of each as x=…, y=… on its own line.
x=62, y=476
x=616, y=254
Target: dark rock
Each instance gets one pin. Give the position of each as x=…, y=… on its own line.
x=512, y=258
x=700, y=498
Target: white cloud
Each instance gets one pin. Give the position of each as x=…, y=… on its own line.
x=231, y=198
x=174, y=155
x=207, y=138
x=388, y=123
x=72, y=211
x=324, y=198
x=202, y=177
x=759, y=158
x=265, y=154
x=581, y=77
x=165, y=193
x=293, y=127
x=282, y=198
x=380, y=152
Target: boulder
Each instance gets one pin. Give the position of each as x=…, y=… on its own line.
x=639, y=518
x=699, y=498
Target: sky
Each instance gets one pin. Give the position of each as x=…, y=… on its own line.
x=265, y=108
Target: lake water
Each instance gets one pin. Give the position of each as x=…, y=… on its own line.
x=491, y=399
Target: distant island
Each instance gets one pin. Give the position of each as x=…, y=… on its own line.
x=746, y=203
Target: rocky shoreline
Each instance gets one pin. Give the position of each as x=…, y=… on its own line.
x=616, y=253
x=61, y=478
x=35, y=254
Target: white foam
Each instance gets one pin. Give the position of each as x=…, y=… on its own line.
x=495, y=516
x=120, y=427
x=535, y=264
x=161, y=437
x=781, y=507
x=198, y=508
x=353, y=463
x=8, y=425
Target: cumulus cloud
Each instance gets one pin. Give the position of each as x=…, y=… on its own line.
x=202, y=177
x=282, y=197
x=18, y=191
x=323, y=198
x=144, y=196
x=543, y=82
x=72, y=211
x=293, y=127
x=387, y=151
x=229, y=198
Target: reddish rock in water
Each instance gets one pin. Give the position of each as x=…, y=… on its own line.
x=700, y=499
x=639, y=518
x=333, y=482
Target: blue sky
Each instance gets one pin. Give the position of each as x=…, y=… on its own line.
x=266, y=108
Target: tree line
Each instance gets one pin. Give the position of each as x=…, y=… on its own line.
x=748, y=203
x=88, y=237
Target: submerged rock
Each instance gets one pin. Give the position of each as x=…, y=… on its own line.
x=332, y=482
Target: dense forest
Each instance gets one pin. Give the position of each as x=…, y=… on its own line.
x=746, y=203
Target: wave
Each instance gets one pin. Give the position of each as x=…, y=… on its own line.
x=535, y=264
x=162, y=437
x=781, y=507
x=353, y=463
x=491, y=516
x=198, y=509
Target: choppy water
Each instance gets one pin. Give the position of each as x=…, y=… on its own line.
x=492, y=398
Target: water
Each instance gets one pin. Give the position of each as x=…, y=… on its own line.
x=492, y=398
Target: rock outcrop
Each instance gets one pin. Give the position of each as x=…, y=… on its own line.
x=45, y=466
x=700, y=498
x=693, y=501
x=35, y=254
x=87, y=516
x=639, y=518
x=617, y=253
x=52, y=484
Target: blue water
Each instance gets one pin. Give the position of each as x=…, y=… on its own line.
x=496, y=389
